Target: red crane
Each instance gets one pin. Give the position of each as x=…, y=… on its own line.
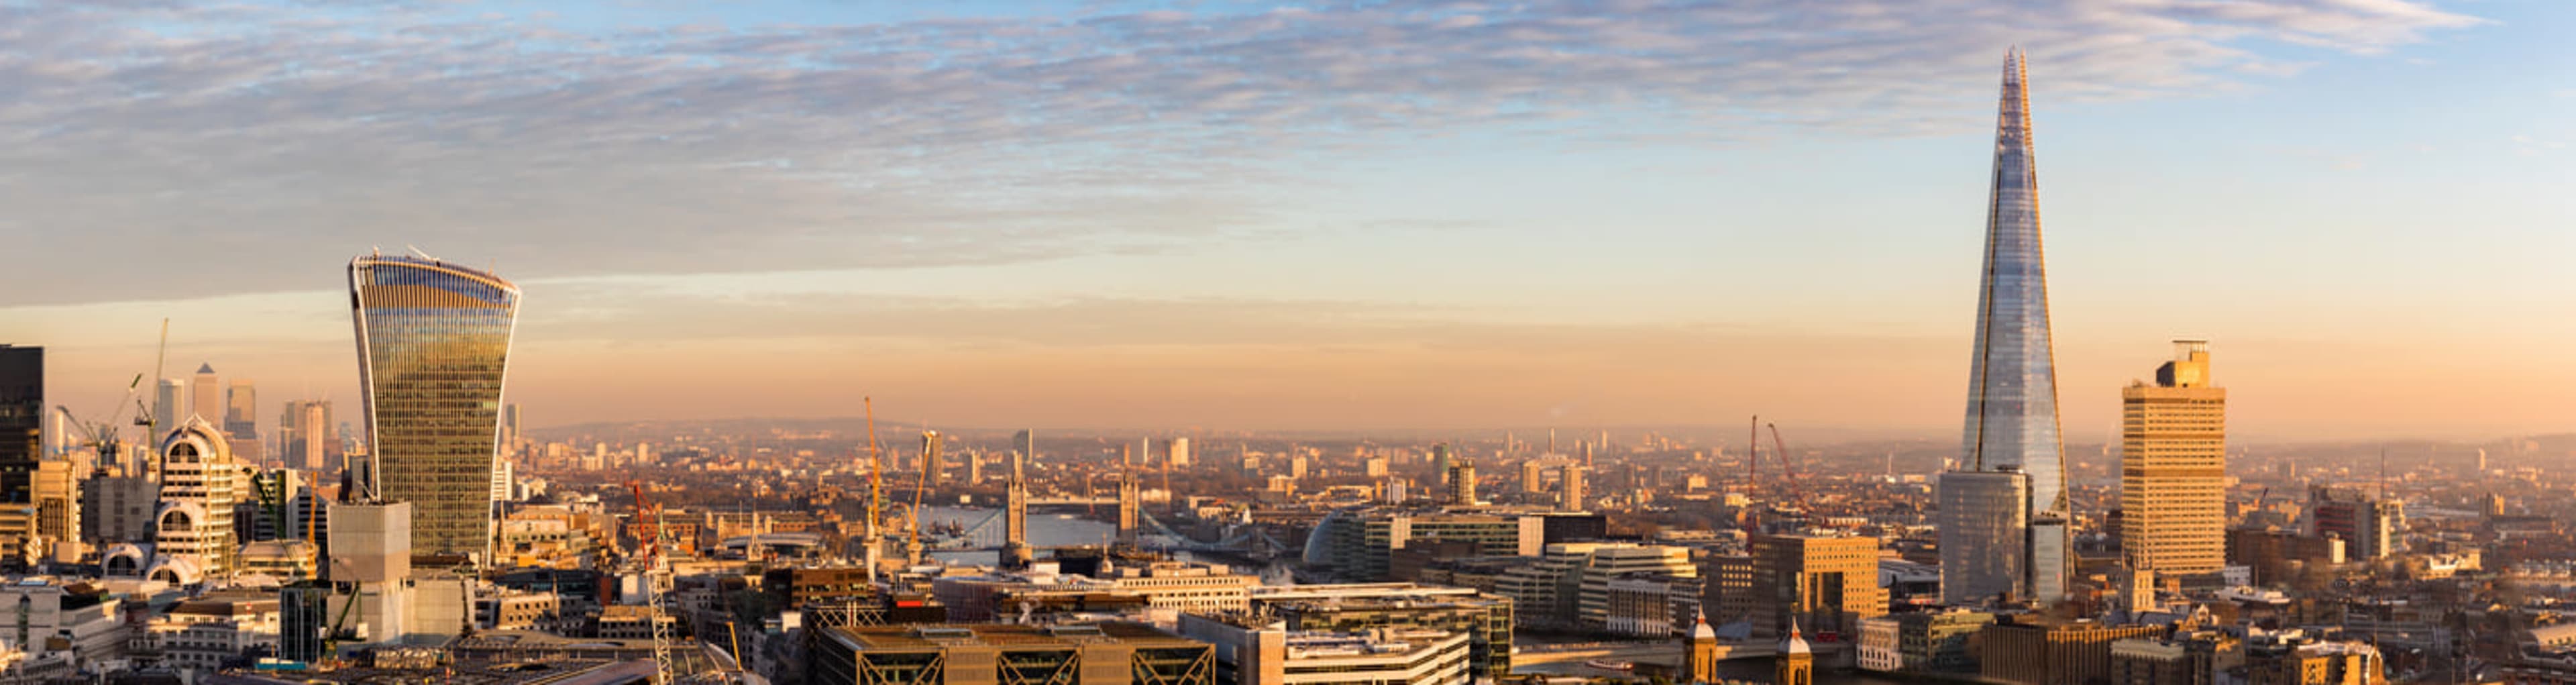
x=651, y=535
x=1781, y=454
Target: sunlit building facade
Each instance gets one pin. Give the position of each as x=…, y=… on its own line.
x=2173, y=467
x=2012, y=386
x=433, y=349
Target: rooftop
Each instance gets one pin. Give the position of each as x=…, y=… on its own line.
x=926, y=637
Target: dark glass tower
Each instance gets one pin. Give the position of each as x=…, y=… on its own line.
x=2012, y=377
x=22, y=414
x=433, y=346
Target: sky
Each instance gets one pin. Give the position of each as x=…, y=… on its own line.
x=1347, y=215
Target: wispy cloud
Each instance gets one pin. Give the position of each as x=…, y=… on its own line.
x=165, y=149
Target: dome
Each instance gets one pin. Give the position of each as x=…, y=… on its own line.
x=1793, y=644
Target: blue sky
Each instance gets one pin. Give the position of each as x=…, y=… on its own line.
x=1315, y=215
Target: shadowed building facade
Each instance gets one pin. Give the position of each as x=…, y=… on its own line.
x=433, y=348
x=2012, y=393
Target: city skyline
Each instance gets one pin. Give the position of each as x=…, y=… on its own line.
x=1776, y=234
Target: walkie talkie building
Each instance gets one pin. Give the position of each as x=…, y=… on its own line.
x=433, y=349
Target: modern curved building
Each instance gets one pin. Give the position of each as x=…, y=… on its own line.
x=200, y=483
x=433, y=350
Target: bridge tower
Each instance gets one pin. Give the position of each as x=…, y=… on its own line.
x=1131, y=499
x=1015, y=516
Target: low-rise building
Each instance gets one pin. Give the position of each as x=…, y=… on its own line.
x=1272, y=654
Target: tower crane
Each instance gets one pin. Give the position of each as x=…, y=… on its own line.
x=1781, y=454
x=871, y=537
x=654, y=568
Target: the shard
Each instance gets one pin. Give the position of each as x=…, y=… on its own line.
x=2012, y=394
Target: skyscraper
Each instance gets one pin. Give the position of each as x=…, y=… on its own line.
x=2173, y=467
x=2012, y=384
x=22, y=421
x=1178, y=454
x=169, y=405
x=208, y=400
x=241, y=411
x=304, y=437
x=433, y=349
x=934, y=464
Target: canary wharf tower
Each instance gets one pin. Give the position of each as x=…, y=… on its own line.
x=2004, y=511
x=433, y=346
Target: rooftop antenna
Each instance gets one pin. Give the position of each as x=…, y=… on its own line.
x=416, y=252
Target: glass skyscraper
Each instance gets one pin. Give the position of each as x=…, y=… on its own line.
x=433, y=348
x=22, y=414
x=2012, y=379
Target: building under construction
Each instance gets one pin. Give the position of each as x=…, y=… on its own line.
x=1103, y=654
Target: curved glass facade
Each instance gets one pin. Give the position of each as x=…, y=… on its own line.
x=433, y=348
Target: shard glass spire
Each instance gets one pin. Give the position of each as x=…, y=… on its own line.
x=2012, y=381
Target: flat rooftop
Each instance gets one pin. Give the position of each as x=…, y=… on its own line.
x=928, y=637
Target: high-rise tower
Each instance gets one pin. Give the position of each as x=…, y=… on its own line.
x=22, y=414
x=206, y=398
x=2012, y=390
x=433, y=348
x=2173, y=467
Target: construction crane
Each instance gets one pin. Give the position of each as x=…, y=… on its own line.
x=651, y=518
x=912, y=517
x=876, y=492
x=1781, y=454
x=148, y=417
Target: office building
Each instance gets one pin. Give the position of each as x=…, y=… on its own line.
x=2173, y=467
x=1985, y=531
x=304, y=436
x=2371, y=527
x=934, y=459
x=206, y=396
x=1485, y=619
x=22, y=421
x=169, y=405
x=2012, y=387
x=1570, y=494
x=1827, y=584
x=1101, y=654
x=1359, y=544
x=433, y=349
x=1178, y=453
x=370, y=555
x=200, y=483
x=1026, y=441
x=2292, y=657
x=57, y=496
x=1253, y=653
x=510, y=427
x=1462, y=482
x=2032, y=650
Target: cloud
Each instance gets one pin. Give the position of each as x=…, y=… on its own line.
x=158, y=150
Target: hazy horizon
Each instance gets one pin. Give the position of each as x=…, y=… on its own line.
x=1326, y=217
